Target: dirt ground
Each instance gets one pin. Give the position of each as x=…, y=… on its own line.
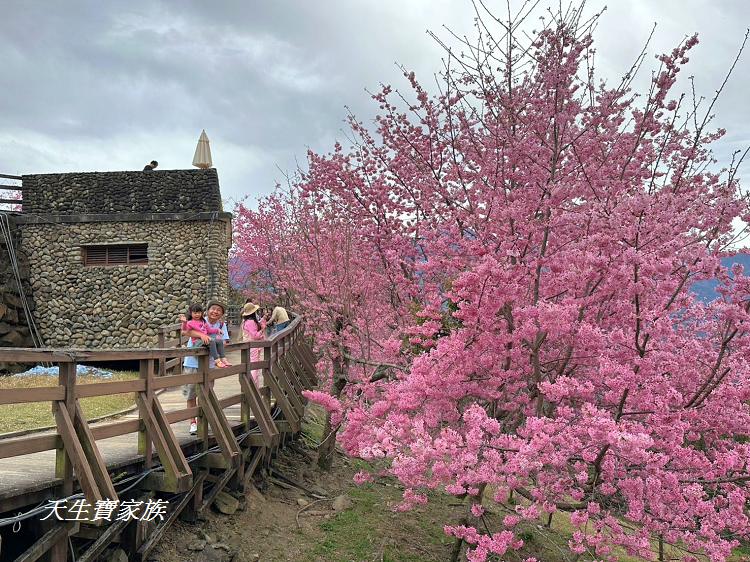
x=334, y=520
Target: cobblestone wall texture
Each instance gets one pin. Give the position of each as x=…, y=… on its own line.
x=159, y=191
x=122, y=305
x=14, y=329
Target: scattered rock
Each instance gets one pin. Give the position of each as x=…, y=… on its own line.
x=196, y=546
x=342, y=503
x=212, y=554
x=254, y=496
x=117, y=555
x=302, y=502
x=236, y=541
x=206, y=537
x=226, y=503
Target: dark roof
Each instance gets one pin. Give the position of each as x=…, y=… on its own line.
x=158, y=191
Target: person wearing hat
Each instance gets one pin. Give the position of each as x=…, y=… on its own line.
x=214, y=314
x=253, y=330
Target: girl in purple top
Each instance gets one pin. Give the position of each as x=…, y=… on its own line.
x=212, y=335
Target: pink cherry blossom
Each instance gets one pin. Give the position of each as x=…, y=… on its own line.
x=497, y=283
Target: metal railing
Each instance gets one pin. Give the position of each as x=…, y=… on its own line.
x=18, y=203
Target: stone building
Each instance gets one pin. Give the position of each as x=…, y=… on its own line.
x=111, y=256
x=14, y=327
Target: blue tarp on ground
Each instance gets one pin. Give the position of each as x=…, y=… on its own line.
x=81, y=370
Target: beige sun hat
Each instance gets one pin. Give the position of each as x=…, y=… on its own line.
x=249, y=308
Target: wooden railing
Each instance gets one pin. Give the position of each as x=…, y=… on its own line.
x=170, y=337
x=268, y=414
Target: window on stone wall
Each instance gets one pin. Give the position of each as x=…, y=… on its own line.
x=115, y=254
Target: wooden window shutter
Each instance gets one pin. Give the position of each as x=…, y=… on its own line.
x=115, y=254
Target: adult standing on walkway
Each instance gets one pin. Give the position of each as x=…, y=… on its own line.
x=253, y=330
x=279, y=318
x=214, y=316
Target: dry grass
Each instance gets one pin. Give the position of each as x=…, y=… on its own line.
x=17, y=417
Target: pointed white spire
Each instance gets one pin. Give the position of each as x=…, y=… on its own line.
x=202, y=158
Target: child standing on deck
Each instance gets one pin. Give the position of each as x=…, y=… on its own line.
x=212, y=335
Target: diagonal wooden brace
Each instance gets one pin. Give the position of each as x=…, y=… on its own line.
x=307, y=352
x=181, y=462
x=272, y=379
x=214, y=413
x=218, y=487
x=308, y=368
x=261, y=414
x=156, y=535
x=76, y=454
x=294, y=387
x=174, y=476
x=93, y=456
x=294, y=399
x=300, y=378
x=103, y=541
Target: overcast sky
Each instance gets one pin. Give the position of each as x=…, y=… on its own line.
x=111, y=85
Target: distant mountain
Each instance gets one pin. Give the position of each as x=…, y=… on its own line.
x=706, y=290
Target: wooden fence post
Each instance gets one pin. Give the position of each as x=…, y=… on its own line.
x=146, y=372
x=245, y=412
x=269, y=356
x=205, y=383
x=201, y=473
x=162, y=360
x=63, y=464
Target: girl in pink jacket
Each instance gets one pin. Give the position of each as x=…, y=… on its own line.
x=253, y=329
x=198, y=324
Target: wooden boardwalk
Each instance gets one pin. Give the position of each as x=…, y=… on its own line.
x=149, y=452
x=35, y=472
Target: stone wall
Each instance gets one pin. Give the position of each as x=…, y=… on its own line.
x=14, y=329
x=122, y=305
x=159, y=191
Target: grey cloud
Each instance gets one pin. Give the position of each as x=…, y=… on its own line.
x=95, y=85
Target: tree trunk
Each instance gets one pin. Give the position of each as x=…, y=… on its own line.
x=328, y=445
x=469, y=520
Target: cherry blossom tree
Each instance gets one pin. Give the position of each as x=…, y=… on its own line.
x=520, y=249
x=326, y=264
